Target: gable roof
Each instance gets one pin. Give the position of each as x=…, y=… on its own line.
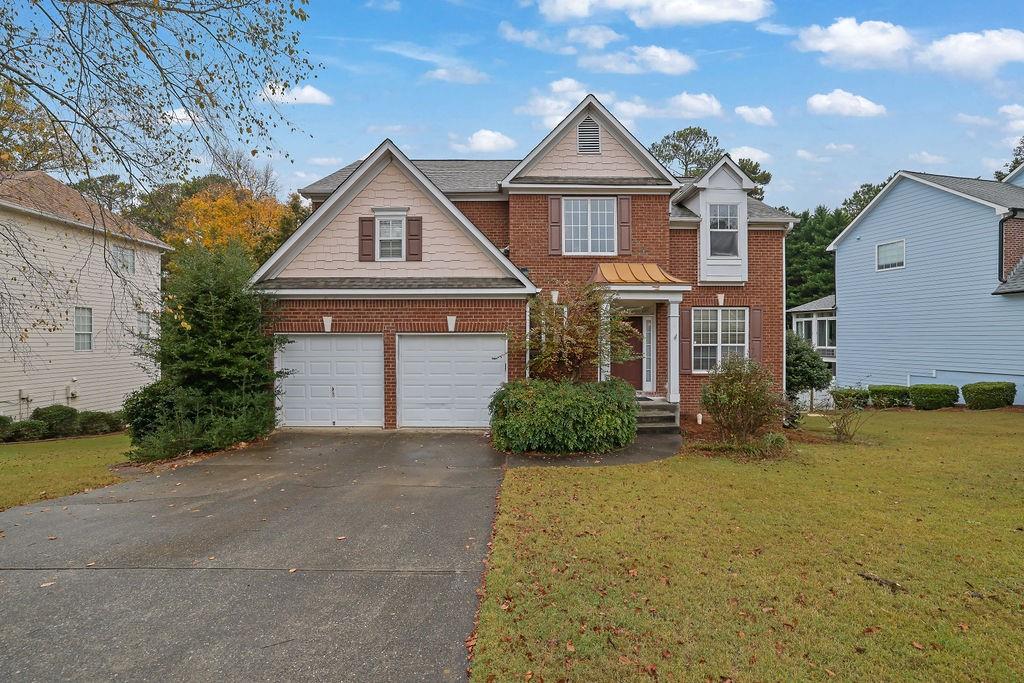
x=825, y=303
x=605, y=117
x=726, y=161
x=757, y=210
x=37, y=193
x=1014, y=173
x=450, y=175
x=999, y=196
x=387, y=152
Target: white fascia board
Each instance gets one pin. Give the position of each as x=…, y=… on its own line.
x=101, y=229
x=901, y=175
x=1014, y=173
x=608, y=119
x=497, y=293
x=745, y=181
x=521, y=188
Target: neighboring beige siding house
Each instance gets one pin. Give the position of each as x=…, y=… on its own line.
x=78, y=286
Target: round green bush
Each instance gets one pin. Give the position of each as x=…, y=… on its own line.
x=115, y=421
x=889, y=396
x=5, y=426
x=934, y=396
x=28, y=430
x=988, y=395
x=563, y=417
x=146, y=408
x=850, y=397
x=93, y=422
x=60, y=420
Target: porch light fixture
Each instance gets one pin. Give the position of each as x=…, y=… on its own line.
x=721, y=299
x=451, y=323
x=327, y=323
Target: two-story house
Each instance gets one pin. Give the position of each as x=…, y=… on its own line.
x=398, y=292
x=930, y=282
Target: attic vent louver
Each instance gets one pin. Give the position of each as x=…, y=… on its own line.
x=588, y=137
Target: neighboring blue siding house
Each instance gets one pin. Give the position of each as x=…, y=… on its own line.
x=930, y=282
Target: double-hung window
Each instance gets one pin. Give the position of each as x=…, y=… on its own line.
x=390, y=239
x=890, y=255
x=123, y=259
x=588, y=224
x=725, y=229
x=142, y=323
x=805, y=329
x=83, y=329
x=718, y=333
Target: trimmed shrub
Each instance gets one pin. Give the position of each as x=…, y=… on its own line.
x=850, y=397
x=94, y=422
x=934, y=396
x=28, y=430
x=563, y=417
x=889, y=396
x=144, y=409
x=988, y=395
x=5, y=426
x=741, y=399
x=60, y=420
x=115, y=421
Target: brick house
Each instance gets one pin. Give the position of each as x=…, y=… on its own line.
x=399, y=290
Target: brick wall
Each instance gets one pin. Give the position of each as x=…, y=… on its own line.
x=391, y=316
x=490, y=217
x=1013, y=244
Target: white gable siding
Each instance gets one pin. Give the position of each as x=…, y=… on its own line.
x=562, y=159
x=935, y=320
x=110, y=370
x=448, y=250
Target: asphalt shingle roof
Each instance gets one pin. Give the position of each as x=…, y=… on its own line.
x=450, y=175
x=825, y=303
x=1014, y=282
x=756, y=209
x=993, y=191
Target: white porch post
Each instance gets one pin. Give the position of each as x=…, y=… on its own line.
x=605, y=371
x=673, y=352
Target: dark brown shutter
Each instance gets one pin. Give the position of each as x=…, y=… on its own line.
x=625, y=226
x=414, y=239
x=366, y=247
x=554, y=225
x=756, y=324
x=685, y=347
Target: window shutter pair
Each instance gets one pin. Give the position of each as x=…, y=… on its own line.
x=624, y=227
x=413, y=239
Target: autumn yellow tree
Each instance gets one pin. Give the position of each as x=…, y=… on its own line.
x=223, y=214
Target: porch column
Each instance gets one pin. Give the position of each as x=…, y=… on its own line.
x=673, y=351
x=605, y=370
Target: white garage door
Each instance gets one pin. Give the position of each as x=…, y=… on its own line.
x=447, y=380
x=336, y=380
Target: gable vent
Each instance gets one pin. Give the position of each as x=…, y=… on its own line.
x=588, y=137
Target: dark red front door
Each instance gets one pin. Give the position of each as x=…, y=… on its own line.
x=633, y=371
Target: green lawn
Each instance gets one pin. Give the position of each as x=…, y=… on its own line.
x=50, y=469
x=703, y=568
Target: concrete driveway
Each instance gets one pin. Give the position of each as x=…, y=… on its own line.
x=188, y=574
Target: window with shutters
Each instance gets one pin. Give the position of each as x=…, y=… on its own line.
x=588, y=226
x=390, y=236
x=588, y=137
x=718, y=333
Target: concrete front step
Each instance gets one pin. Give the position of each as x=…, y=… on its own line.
x=657, y=416
x=659, y=428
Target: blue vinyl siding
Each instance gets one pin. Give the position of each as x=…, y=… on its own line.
x=1019, y=180
x=935, y=320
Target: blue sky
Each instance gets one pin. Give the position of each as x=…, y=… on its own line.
x=826, y=94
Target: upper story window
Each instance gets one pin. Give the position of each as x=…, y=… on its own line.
x=725, y=229
x=142, y=321
x=390, y=231
x=804, y=327
x=589, y=225
x=83, y=329
x=123, y=259
x=718, y=333
x=588, y=137
x=890, y=255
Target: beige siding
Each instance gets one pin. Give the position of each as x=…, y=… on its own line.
x=562, y=160
x=47, y=364
x=448, y=250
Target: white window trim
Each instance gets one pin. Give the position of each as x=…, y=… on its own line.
x=615, y=229
x=388, y=215
x=650, y=362
x=718, y=345
x=92, y=338
x=712, y=230
x=885, y=244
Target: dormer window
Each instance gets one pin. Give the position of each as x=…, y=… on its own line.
x=588, y=137
x=725, y=229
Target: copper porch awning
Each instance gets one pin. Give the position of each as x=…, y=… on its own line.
x=633, y=274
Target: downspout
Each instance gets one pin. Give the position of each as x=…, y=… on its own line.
x=1002, y=241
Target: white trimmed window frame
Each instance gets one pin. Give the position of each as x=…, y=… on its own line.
x=718, y=345
x=590, y=227
x=386, y=216
x=83, y=328
x=879, y=268
x=123, y=259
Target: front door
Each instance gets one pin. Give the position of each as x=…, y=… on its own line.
x=633, y=371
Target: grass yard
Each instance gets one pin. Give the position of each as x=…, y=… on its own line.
x=712, y=569
x=50, y=469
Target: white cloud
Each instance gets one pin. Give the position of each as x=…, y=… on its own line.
x=865, y=45
x=533, y=39
x=684, y=105
x=841, y=147
x=842, y=103
x=466, y=75
x=974, y=55
x=594, y=36
x=648, y=13
x=638, y=60
x=927, y=158
x=299, y=94
x=811, y=156
x=326, y=161
x=974, y=120
x=776, y=29
x=758, y=116
x=450, y=69
x=484, y=141
x=1014, y=118
x=384, y=5
x=752, y=153
x=552, y=106
x=180, y=116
